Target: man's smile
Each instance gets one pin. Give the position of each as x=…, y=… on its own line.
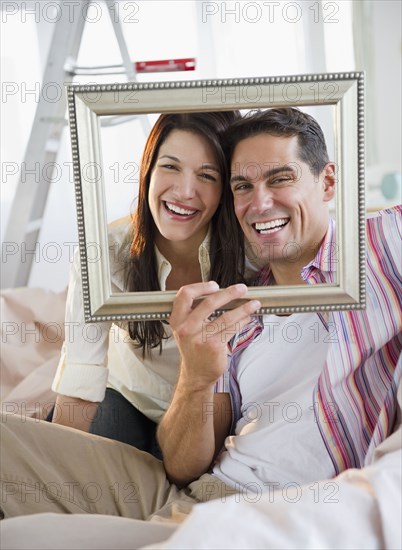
x=265, y=228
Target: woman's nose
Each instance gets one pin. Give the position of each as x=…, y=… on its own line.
x=185, y=186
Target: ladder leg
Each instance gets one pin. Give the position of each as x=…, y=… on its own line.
x=29, y=203
x=126, y=60
x=28, y=207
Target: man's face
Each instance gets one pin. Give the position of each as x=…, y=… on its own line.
x=280, y=204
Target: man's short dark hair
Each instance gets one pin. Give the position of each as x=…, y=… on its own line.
x=282, y=122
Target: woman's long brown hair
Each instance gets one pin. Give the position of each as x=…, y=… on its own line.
x=227, y=249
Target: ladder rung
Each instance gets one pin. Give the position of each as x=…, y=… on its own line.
x=33, y=225
x=115, y=120
x=52, y=145
x=98, y=69
x=54, y=120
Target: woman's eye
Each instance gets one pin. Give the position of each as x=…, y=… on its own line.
x=208, y=177
x=169, y=166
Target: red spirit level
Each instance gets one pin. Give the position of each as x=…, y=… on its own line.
x=165, y=65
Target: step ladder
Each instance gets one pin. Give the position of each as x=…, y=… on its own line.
x=28, y=207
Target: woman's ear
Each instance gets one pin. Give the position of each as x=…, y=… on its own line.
x=328, y=181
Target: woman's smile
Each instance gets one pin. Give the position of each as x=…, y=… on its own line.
x=185, y=189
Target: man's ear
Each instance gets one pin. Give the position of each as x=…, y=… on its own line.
x=328, y=181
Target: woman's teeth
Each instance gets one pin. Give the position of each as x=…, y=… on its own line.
x=270, y=227
x=178, y=210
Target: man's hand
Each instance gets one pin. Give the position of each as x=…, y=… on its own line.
x=201, y=338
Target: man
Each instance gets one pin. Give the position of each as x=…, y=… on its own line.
x=278, y=200
x=285, y=201
x=307, y=408
x=354, y=396
x=282, y=183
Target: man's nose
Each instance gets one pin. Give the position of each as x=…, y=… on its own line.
x=262, y=199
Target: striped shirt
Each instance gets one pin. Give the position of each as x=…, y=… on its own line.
x=355, y=397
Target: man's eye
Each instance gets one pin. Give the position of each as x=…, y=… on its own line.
x=280, y=179
x=241, y=187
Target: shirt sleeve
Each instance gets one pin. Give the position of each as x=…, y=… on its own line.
x=82, y=370
x=222, y=385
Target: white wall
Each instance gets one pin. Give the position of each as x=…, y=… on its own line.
x=228, y=39
x=387, y=65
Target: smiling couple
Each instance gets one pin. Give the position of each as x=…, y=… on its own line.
x=324, y=404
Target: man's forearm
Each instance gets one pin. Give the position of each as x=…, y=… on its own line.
x=186, y=434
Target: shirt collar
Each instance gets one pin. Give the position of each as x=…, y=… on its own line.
x=164, y=267
x=321, y=269
x=324, y=263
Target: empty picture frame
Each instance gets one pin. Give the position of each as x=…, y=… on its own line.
x=344, y=91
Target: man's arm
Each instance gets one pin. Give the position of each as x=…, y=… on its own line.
x=197, y=421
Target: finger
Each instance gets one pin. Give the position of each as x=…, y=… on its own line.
x=231, y=322
x=241, y=312
x=184, y=300
x=209, y=305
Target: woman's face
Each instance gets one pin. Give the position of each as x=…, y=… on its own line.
x=185, y=188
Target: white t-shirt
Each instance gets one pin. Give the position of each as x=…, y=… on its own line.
x=277, y=439
x=97, y=355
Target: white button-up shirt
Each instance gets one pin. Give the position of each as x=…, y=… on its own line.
x=100, y=355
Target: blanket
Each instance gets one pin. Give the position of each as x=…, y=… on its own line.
x=32, y=334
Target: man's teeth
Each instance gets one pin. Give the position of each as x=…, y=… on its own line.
x=178, y=210
x=270, y=227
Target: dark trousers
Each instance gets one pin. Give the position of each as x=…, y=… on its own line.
x=116, y=418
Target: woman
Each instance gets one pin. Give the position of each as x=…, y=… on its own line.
x=183, y=231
